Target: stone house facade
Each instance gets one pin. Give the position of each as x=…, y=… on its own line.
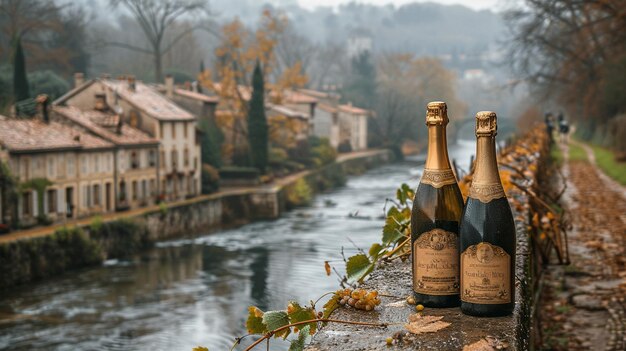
x=135, y=162
x=340, y=123
x=142, y=107
x=76, y=168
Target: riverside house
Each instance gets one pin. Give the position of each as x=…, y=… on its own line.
x=143, y=108
x=62, y=172
x=135, y=167
x=340, y=123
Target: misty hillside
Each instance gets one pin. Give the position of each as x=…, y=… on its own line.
x=422, y=28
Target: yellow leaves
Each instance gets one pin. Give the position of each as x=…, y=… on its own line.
x=419, y=324
x=327, y=267
x=200, y=348
x=284, y=131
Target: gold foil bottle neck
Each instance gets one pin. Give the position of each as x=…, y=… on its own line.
x=436, y=113
x=486, y=124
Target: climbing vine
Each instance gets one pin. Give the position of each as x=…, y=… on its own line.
x=39, y=185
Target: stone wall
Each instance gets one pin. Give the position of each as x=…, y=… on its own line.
x=30, y=258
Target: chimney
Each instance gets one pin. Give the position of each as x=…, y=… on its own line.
x=101, y=103
x=131, y=83
x=42, y=104
x=79, y=79
x=169, y=86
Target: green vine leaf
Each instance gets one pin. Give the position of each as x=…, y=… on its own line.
x=375, y=250
x=299, y=314
x=254, y=324
x=331, y=305
x=298, y=344
x=358, y=267
x=276, y=319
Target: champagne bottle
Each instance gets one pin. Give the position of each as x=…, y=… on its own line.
x=487, y=233
x=435, y=217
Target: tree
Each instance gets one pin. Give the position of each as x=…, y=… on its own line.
x=236, y=58
x=568, y=50
x=257, y=122
x=361, y=86
x=155, y=17
x=20, y=81
x=405, y=85
x=211, y=142
x=53, y=35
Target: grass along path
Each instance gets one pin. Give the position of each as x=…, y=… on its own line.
x=605, y=159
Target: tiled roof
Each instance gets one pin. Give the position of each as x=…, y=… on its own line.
x=295, y=97
x=21, y=135
x=286, y=111
x=327, y=108
x=104, y=125
x=149, y=100
x=353, y=110
x=197, y=96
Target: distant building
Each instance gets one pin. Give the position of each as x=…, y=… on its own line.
x=142, y=107
x=326, y=119
x=78, y=166
x=353, y=126
x=201, y=105
x=359, y=43
x=340, y=123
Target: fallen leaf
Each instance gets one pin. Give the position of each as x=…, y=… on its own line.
x=480, y=345
x=327, y=267
x=419, y=324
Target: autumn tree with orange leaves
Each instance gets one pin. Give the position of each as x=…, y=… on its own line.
x=236, y=56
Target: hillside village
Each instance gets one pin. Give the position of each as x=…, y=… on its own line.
x=115, y=144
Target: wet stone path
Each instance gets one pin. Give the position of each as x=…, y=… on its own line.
x=583, y=305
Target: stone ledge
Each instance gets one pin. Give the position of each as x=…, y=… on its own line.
x=395, y=279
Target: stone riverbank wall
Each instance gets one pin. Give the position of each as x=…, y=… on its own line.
x=394, y=279
x=45, y=252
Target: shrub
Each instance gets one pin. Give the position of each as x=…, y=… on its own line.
x=324, y=152
x=298, y=194
x=47, y=82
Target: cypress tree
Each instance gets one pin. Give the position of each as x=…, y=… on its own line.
x=257, y=122
x=20, y=81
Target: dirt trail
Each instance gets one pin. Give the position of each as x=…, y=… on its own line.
x=584, y=305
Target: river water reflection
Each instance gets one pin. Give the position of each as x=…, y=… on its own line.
x=191, y=292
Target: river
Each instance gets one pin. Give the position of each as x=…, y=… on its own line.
x=190, y=292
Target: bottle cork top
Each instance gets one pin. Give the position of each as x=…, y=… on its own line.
x=436, y=113
x=486, y=123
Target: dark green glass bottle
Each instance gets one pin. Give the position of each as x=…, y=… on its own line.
x=487, y=233
x=435, y=217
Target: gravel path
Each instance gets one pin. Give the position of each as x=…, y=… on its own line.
x=583, y=306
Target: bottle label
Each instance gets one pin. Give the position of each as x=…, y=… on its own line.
x=485, y=274
x=486, y=192
x=436, y=263
x=438, y=177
